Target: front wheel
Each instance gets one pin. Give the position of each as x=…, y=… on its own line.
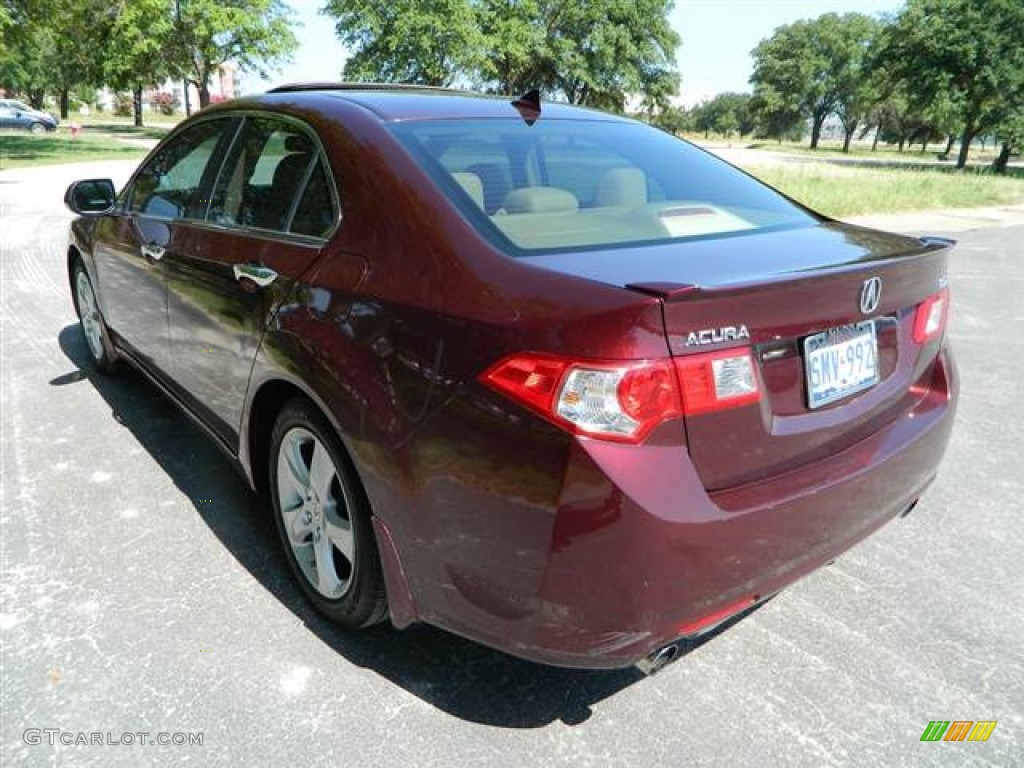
x=323, y=518
x=37, y=128
x=97, y=337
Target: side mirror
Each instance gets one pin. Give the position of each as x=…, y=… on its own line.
x=91, y=197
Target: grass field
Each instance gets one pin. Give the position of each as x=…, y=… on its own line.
x=851, y=191
x=22, y=149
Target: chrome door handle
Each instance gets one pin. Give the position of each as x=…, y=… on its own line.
x=262, y=276
x=153, y=251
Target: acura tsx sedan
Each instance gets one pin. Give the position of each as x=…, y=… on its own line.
x=547, y=378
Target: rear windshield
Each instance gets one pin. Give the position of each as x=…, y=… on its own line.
x=571, y=184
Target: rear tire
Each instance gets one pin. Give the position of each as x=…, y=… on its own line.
x=324, y=519
x=94, y=329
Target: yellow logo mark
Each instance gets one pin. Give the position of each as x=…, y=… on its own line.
x=982, y=730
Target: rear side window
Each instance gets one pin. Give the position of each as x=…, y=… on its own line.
x=274, y=179
x=314, y=215
x=573, y=184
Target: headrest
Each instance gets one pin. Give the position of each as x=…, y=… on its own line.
x=472, y=186
x=296, y=142
x=540, y=200
x=621, y=186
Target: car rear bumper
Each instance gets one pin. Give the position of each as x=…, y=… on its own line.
x=638, y=554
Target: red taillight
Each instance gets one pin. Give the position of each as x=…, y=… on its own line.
x=930, y=319
x=717, y=380
x=612, y=400
x=531, y=380
x=649, y=393
x=624, y=400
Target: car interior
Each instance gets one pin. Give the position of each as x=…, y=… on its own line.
x=563, y=191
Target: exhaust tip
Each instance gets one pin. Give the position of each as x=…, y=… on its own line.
x=658, y=660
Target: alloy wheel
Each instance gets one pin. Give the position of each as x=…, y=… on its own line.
x=316, y=513
x=92, y=322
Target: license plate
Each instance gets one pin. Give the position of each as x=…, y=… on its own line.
x=840, y=362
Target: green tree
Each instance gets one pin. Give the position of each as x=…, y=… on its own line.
x=775, y=117
x=139, y=42
x=254, y=34
x=897, y=121
x=816, y=68
x=428, y=42
x=600, y=51
x=855, y=34
x=597, y=53
x=1011, y=134
x=658, y=85
x=672, y=120
x=969, y=52
x=52, y=46
x=726, y=114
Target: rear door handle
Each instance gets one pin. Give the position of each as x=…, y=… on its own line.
x=153, y=251
x=262, y=276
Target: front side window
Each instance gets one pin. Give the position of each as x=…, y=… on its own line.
x=274, y=179
x=574, y=184
x=168, y=186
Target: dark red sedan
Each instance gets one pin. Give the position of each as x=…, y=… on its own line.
x=545, y=377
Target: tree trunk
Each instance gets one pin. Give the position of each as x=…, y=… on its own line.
x=65, y=103
x=187, y=99
x=924, y=145
x=965, y=144
x=847, y=135
x=949, y=144
x=204, y=95
x=1004, y=158
x=137, y=105
x=878, y=133
x=816, y=131
x=903, y=140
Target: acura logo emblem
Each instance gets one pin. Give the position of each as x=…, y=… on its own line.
x=870, y=293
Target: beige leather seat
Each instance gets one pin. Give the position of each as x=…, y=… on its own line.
x=540, y=200
x=623, y=187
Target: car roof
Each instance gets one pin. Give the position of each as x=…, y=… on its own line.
x=393, y=102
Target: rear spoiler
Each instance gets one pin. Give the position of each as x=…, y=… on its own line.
x=671, y=293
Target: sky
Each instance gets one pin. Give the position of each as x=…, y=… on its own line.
x=717, y=35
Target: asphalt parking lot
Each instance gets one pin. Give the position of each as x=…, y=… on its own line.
x=143, y=590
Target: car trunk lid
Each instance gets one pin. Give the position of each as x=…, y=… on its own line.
x=771, y=293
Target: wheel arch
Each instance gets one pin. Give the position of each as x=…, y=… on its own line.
x=77, y=253
x=265, y=405
x=74, y=256
x=267, y=399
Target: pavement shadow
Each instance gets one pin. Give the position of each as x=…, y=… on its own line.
x=460, y=677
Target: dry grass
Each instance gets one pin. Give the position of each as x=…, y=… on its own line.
x=850, y=190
